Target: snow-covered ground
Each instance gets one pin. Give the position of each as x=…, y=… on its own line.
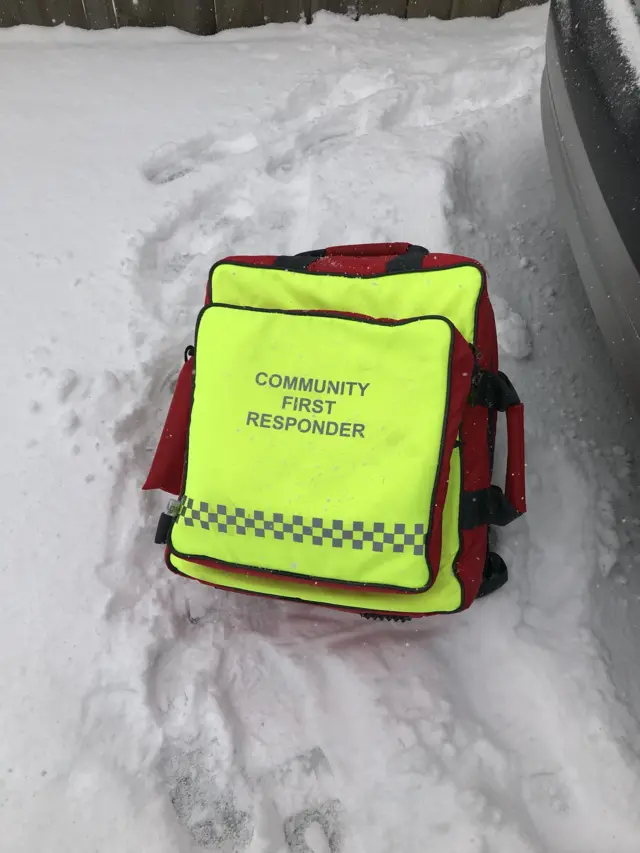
x=143, y=712
x=622, y=15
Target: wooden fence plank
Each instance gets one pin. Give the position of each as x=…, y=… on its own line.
x=56, y=12
x=192, y=16
x=429, y=8
x=338, y=7
x=512, y=5
x=282, y=11
x=397, y=8
x=72, y=13
x=140, y=13
x=9, y=13
x=29, y=12
x=52, y=12
x=475, y=8
x=238, y=13
x=45, y=12
x=101, y=14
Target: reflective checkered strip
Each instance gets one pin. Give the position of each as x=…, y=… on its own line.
x=397, y=538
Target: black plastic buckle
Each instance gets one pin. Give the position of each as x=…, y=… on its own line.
x=494, y=390
x=486, y=507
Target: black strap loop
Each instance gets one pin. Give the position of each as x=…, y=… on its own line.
x=486, y=506
x=313, y=253
x=410, y=261
x=494, y=390
x=163, y=529
x=296, y=263
x=494, y=576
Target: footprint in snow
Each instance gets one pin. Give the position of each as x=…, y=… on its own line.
x=218, y=809
x=175, y=161
x=215, y=822
x=301, y=792
x=316, y=830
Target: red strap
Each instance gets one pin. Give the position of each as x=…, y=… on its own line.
x=167, y=468
x=369, y=249
x=515, y=489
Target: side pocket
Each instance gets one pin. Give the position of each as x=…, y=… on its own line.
x=167, y=468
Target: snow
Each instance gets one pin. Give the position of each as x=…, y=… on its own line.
x=623, y=16
x=514, y=337
x=140, y=711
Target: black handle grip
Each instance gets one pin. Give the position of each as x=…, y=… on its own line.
x=411, y=261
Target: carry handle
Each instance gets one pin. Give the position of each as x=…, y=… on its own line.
x=367, y=250
x=405, y=257
x=496, y=391
x=492, y=506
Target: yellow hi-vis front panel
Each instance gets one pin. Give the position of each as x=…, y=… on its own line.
x=315, y=445
x=452, y=293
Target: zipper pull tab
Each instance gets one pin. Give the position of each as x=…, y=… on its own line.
x=174, y=506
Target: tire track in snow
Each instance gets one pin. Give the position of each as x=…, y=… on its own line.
x=555, y=696
x=264, y=182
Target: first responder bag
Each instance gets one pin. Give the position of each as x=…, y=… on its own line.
x=331, y=434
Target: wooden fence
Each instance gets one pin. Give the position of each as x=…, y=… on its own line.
x=205, y=17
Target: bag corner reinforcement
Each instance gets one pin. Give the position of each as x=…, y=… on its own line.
x=331, y=434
